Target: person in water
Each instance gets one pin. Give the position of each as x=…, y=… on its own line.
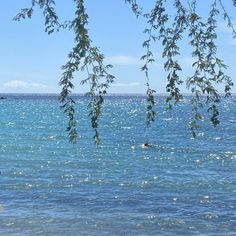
x=147, y=145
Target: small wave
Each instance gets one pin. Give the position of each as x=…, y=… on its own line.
x=126, y=127
x=10, y=123
x=217, y=138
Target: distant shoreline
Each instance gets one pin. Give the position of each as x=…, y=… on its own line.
x=5, y=95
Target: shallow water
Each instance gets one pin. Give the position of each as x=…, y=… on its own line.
x=180, y=186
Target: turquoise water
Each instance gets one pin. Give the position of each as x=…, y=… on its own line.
x=180, y=186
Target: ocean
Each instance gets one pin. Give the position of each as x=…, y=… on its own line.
x=179, y=186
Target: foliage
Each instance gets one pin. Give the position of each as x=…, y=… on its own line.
x=162, y=28
x=209, y=68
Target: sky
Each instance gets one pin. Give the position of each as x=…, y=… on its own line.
x=31, y=60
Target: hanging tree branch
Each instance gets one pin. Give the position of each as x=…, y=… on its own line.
x=209, y=69
x=137, y=10
x=227, y=18
x=52, y=23
x=170, y=42
x=84, y=55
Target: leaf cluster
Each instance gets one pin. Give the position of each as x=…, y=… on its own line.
x=162, y=28
x=209, y=69
x=84, y=57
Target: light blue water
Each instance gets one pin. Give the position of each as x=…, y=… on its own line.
x=180, y=186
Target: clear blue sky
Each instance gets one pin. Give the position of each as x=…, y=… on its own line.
x=30, y=60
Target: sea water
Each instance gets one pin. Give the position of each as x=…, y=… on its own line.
x=179, y=186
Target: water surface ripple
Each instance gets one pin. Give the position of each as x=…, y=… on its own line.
x=180, y=186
